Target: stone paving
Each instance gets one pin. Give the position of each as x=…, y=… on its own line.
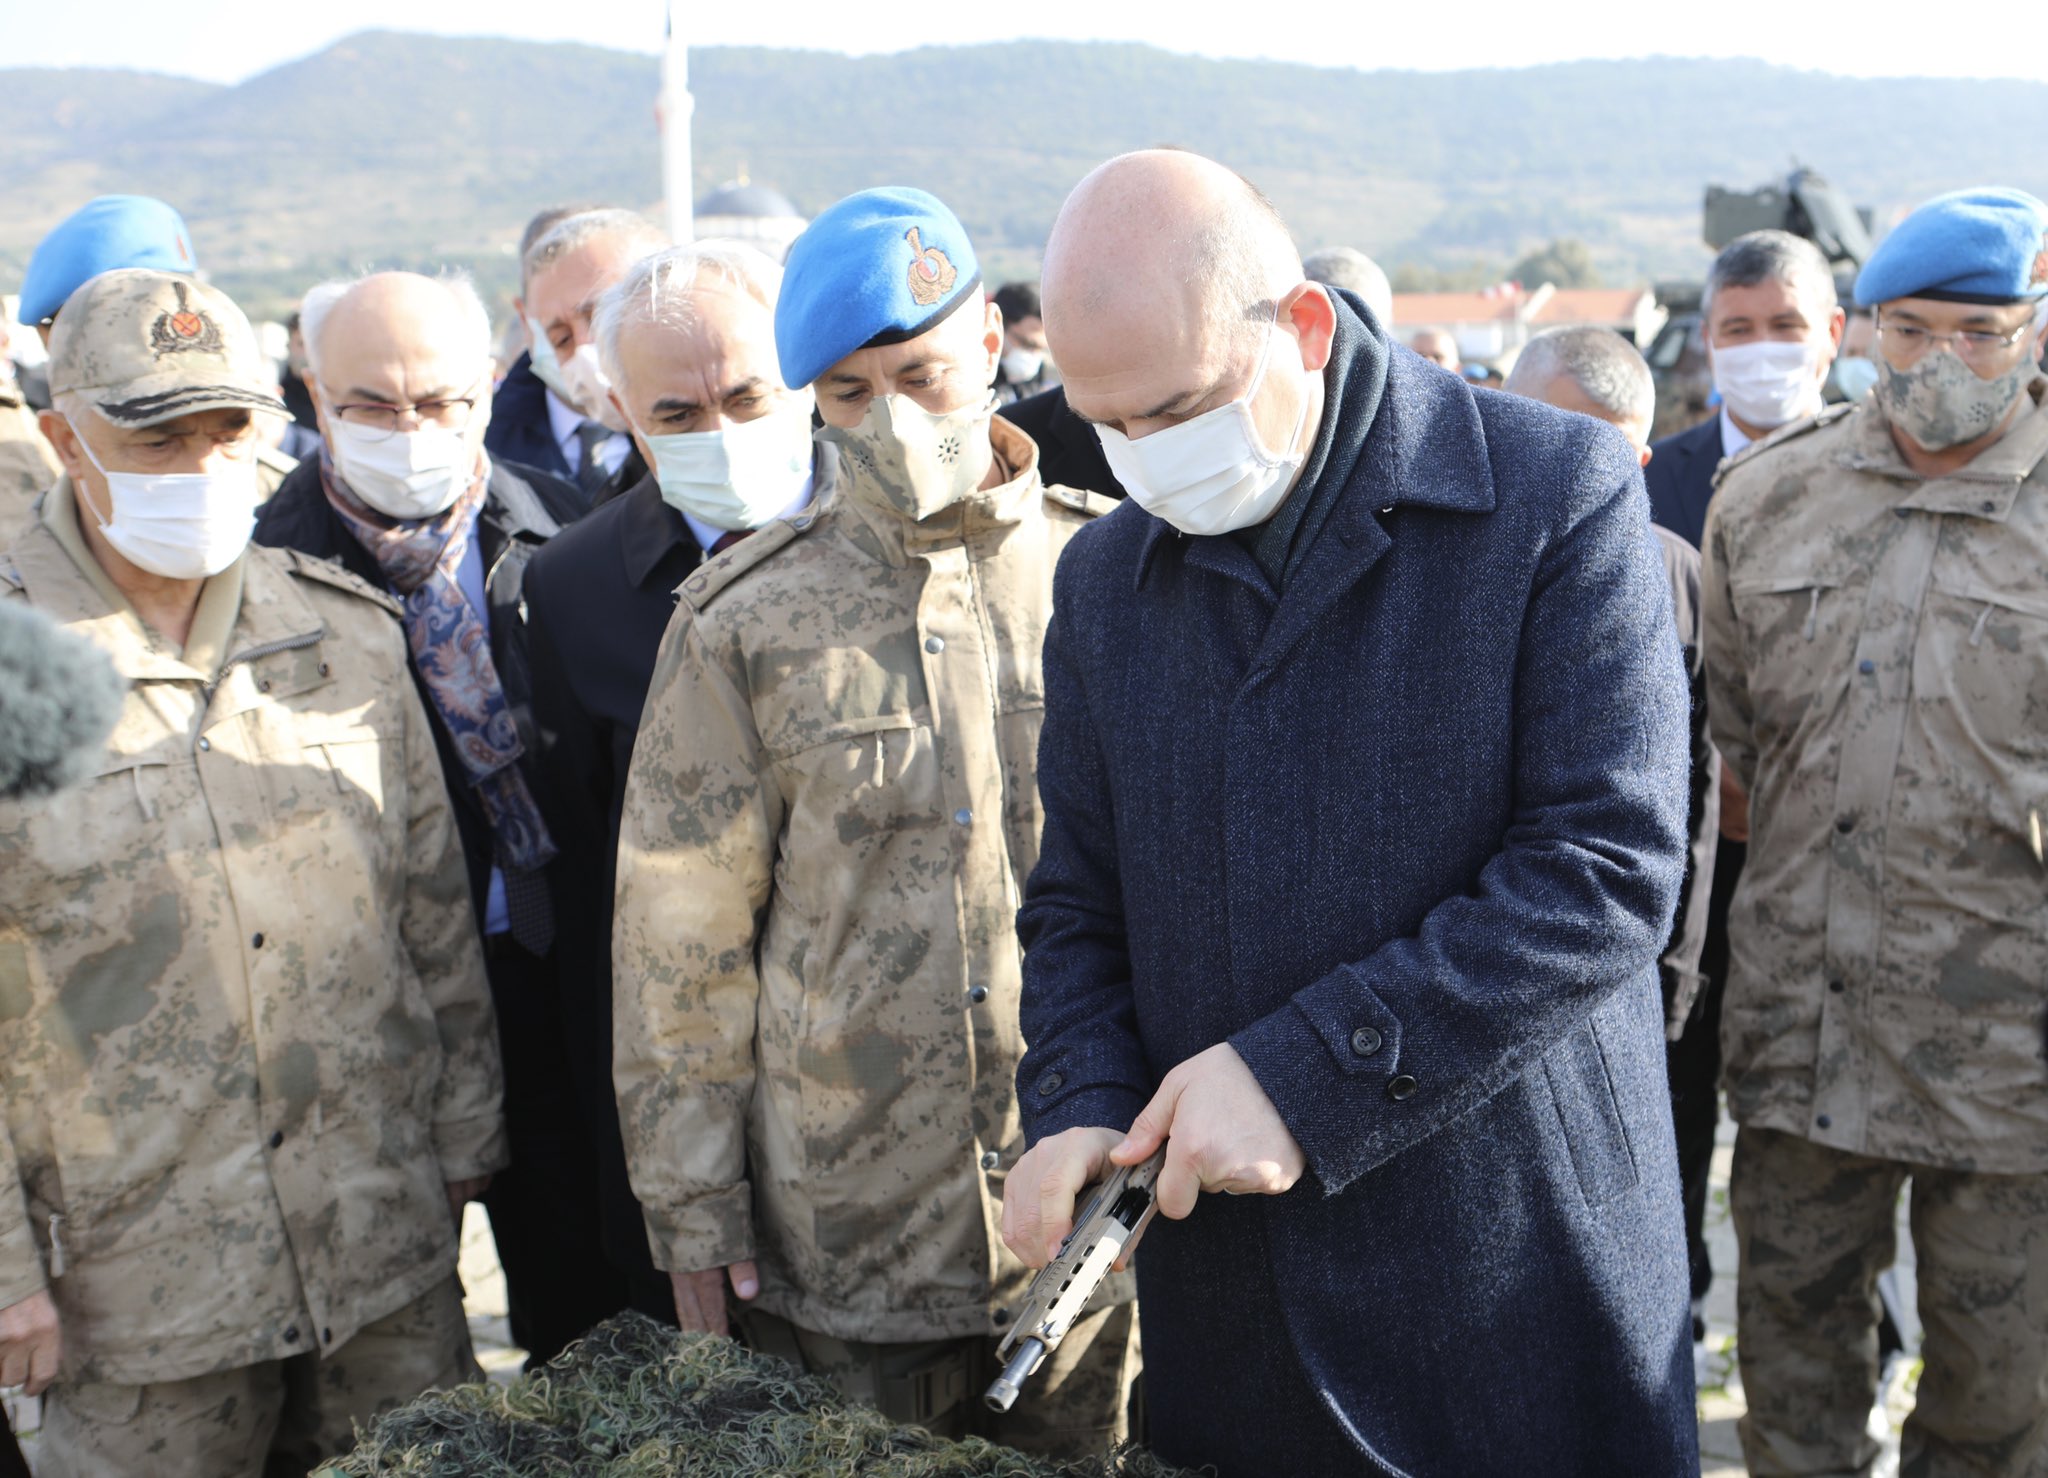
x=1720, y=1384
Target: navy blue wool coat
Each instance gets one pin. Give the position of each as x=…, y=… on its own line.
x=1408, y=836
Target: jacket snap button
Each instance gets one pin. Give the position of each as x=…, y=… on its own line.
x=935, y=644
x=990, y=1159
x=1051, y=1083
x=205, y=744
x=326, y=1336
x=1837, y=986
x=291, y=1335
x=256, y=941
x=963, y=816
x=1866, y=667
x=1824, y=1121
x=276, y=1138
x=263, y=686
x=1845, y=825
x=1365, y=1041
x=1401, y=1088
x=323, y=669
x=977, y=994
x=1002, y=1317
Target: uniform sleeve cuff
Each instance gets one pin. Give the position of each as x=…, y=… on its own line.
x=468, y=1148
x=712, y=1231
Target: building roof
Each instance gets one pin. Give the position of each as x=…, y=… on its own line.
x=1480, y=307
x=1590, y=305
x=737, y=199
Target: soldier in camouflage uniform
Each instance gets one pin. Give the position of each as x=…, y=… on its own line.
x=831, y=805
x=1877, y=658
x=27, y=465
x=250, y=1068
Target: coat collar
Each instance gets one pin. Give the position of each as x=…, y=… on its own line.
x=649, y=532
x=1427, y=449
x=250, y=605
x=1985, y=487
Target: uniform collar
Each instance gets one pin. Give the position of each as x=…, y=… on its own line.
x=1984, y=487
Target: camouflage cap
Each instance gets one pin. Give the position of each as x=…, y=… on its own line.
x=145, y=346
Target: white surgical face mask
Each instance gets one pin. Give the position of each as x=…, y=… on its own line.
x=1210, y=475
x=1021, y=366
x=1769, y=383
x=921, y=462
x=180, y=525
x=739, y=476
x=590, y=388
x=547, y=365
x=1855, y=376
x=406, y=474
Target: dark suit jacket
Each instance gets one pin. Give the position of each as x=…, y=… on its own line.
x=1680, y=478
x=1068, y=451
x=599, y=597
x=523, y=510
x=520, y=431
x=1408, y=837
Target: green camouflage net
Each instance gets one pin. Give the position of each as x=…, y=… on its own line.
x=637, y=1399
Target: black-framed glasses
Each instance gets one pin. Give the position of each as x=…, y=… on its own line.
x=383, y=419
x=1974, y=346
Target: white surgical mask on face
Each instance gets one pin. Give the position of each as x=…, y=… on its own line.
x=1210, y=475
x=1769, y=383
x=590, y=388
x=546, y=364
x=180, y=525
x=405, y=474
x=1022, y=365
x=739, y=476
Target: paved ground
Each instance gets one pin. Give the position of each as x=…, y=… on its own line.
x=1720, y=1385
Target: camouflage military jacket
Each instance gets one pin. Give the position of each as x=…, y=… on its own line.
x=831, y=808
x=242, y=1006
x=1877, y=661
x=27, y=465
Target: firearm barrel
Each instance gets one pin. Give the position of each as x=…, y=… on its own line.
x=1002, y=1395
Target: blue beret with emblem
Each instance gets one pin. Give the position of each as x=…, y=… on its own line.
x=111, y=232
x=1986, y=245
x=878, y=268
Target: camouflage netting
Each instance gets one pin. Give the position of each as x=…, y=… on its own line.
x=636, y=1399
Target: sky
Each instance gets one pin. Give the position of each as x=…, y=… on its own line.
x=227, y=42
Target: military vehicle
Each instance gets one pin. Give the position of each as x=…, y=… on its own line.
x=1804, y=204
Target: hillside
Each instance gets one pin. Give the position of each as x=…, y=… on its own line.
x=388, y=149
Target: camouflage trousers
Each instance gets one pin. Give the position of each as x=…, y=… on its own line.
x=257, y=1421
x=1814, y=1227
x=1076, y=1406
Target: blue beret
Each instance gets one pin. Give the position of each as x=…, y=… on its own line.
x=111, y=232
x=877, y=268
x=1969, y=246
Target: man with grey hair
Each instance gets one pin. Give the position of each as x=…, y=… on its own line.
x=687, y=341
x=571, y=429
x=1354, y=271
x=405, y=496
x=1771, y=324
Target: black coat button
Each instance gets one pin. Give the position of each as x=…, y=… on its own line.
x=1837, y=986
x=977, y=994
x=1051, y=1083
x=1845, y=825
x=291, y=1335
x=1002, y=1317
x=256, y=940
x=1401, y=1088
x=276, y=1138
x=1365, y=1041
x=1824, y=1122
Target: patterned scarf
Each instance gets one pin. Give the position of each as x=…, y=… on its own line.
x=452, y=650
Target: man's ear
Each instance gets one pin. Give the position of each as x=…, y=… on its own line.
x=1308, y=311
x=992, y=338
x=1647, y=454
x=1838, y=324
x=64, y=442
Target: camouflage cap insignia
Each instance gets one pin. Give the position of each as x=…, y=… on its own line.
x=184, y=330
x=931, y=275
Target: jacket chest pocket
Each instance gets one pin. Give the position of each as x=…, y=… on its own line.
x=1981, y=668
x=1799, y=629
x=855, y=791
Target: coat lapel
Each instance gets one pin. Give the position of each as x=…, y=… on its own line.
x=1401, y=468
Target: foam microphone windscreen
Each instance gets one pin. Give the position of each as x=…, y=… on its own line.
x=59, y=698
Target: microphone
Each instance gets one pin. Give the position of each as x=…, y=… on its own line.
x=59, y=699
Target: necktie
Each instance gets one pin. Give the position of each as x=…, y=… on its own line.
x=530, y=911
x=590, y=471
x=726, y=540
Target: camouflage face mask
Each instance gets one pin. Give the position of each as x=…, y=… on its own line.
x=917, y=461
x=1941, y=402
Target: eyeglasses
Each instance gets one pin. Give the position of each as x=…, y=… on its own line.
x=382, y=419
x=1973, y=346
